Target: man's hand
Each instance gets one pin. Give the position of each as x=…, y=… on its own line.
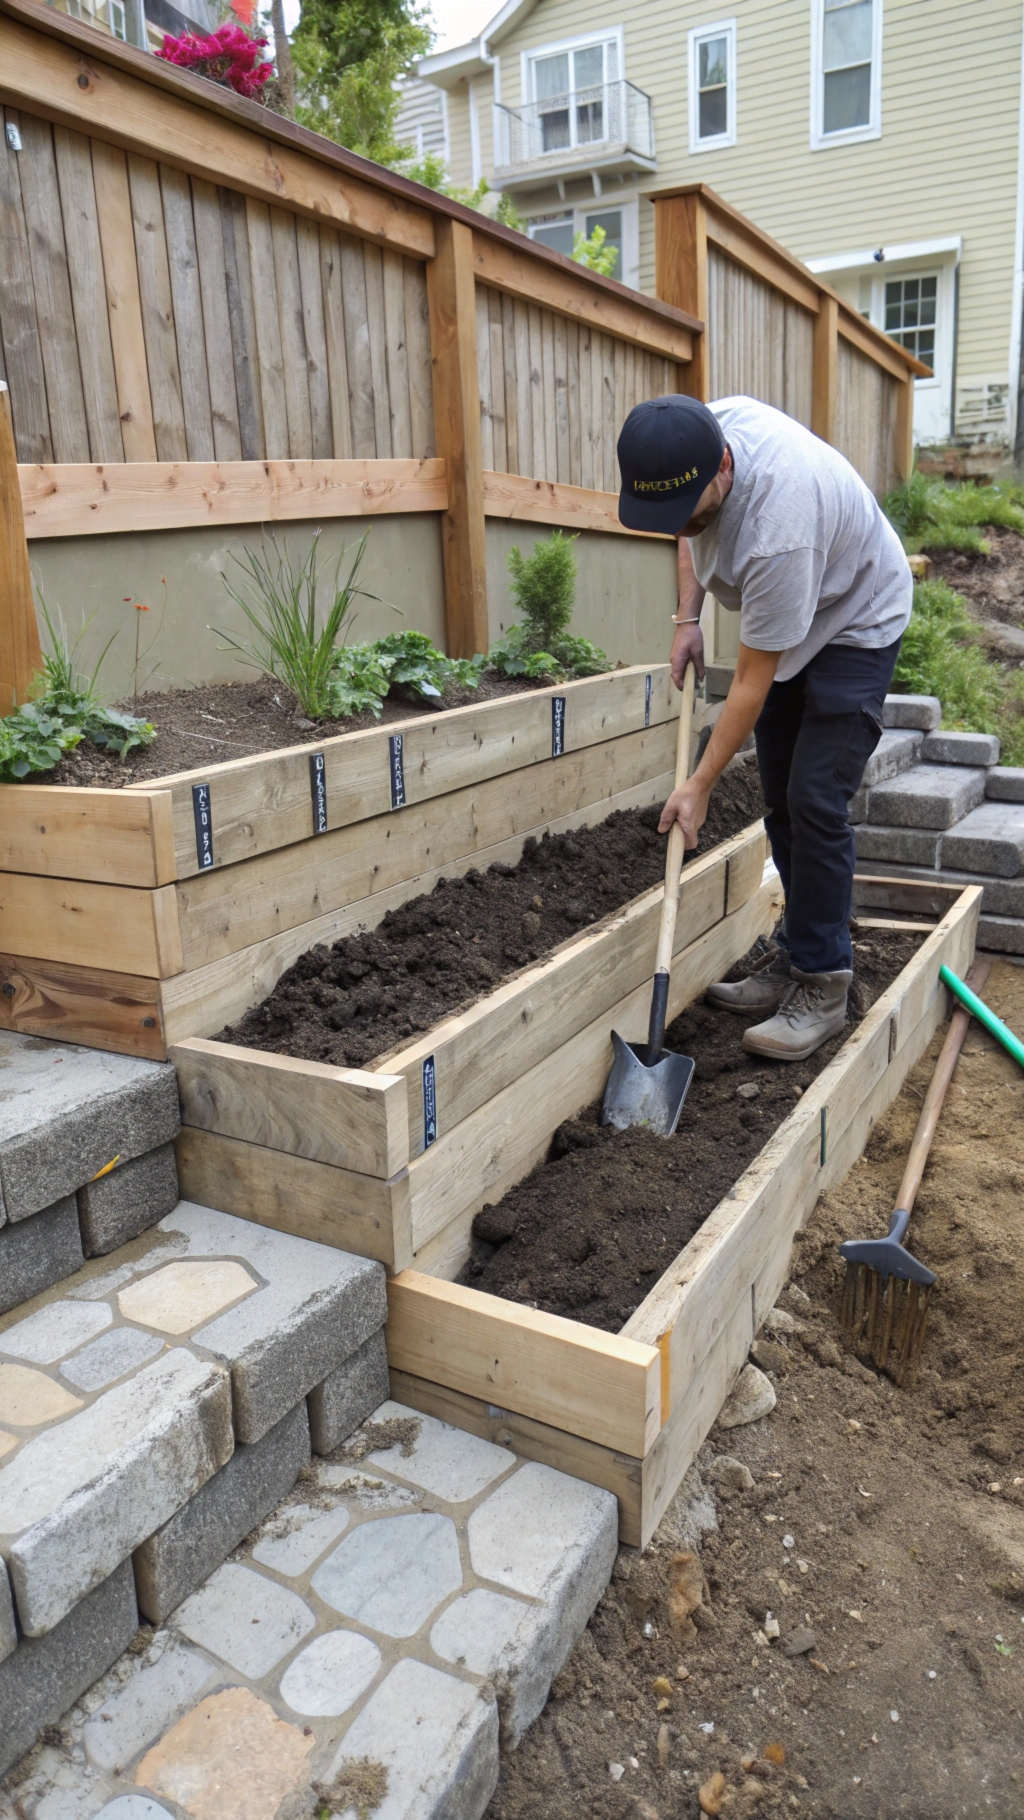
x=689, y=807
x=687, y=648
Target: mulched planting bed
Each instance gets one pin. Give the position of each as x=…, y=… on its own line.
x=589, y=1233
x=351, y=1002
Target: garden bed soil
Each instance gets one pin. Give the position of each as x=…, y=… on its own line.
x=887, y=1525
x=992, y=586
x=351, y=1002
x=590, y=1232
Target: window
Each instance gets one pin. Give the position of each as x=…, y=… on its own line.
x=118, y=20
x=569, y=87
x=846, y=58
x=620, y=227
x=713, y=86
x=910, y=305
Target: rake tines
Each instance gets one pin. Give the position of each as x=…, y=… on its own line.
x=883, y=1319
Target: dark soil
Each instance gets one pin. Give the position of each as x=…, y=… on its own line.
x=993, y=588
x=350, y=1002
x=589, y=1233
x=218, y=721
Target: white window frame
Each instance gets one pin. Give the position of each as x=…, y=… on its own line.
x=527, y=58
x=117, y=14
x=851, y=135
x=628, y=271
x=714, y=142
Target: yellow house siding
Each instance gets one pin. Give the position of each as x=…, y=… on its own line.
x=459, y=145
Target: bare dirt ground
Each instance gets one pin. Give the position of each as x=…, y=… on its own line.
x=882, y=1529
x=993, y=587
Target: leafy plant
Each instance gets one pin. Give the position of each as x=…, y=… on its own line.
x=931, y=515
x=67, y=699
x=359, y=682
x=414, y=663
x=940, y=655
x=229, y=56
x=34, y=740
x=544, y=589
x=590, y=250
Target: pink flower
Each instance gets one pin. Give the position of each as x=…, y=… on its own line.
x=228, y=56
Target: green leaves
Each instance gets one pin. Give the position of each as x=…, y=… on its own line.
x=415, y=664
x=931, y=515
x=541, y=647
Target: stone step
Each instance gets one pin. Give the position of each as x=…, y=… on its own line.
x=961, y=749
x=1001, y=934
x=401, y=1613
x=927, y=796
x=898, y=750
x=1005, y=783
x=923, y=712
x=990, y=840
x=1002, y=897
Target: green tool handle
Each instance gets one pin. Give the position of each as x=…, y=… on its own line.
x=980, y=1010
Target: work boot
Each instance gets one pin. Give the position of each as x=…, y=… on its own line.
x=761, y=992
x=813, y=1009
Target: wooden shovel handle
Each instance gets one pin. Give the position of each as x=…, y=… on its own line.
x=675, y=853
x=948, y=1057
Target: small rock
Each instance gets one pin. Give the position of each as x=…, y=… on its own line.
x=752, y=1396
x=685, y=1592
x=663, y=1706
x=530, y=925
x=662, y=1685
x=894, y=1716
x=769, y=1355
x=664, y=1744
x=748, y=1090
x=798, y=1297
x=730, y=1475
x=778, y=1321
x=710, y=1794
x=682, y=1672
x=771, y=1626
x=616, y=1771
x=799, y=1642
x=774, y=1753
x=789, y=1541
x=648, y=1629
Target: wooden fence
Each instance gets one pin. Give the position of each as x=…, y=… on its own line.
x=210, y=316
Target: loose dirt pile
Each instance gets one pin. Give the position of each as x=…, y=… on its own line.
x=993, y=588
x=881, y=1529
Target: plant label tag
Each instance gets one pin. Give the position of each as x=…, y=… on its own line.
x=397, y=771
x=202, y=811
x=318, y=791
x=429, y=1103
x=557, y=725
x=648, y=684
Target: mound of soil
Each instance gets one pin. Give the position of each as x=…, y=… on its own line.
x=589, y=1233
x=352, y=1001
x=993, y=588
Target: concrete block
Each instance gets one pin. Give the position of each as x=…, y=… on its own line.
x=1000, y=896
x=990, y=840
x=1001, y=934
x=442, y=1459
x=929, y=796
x=245, y=1618
x=177, y=1557
x=525, y=1535
x=349, y=1394
x=1005, y=783
x=38, y=1252
x=133, y=1197
x=165, y=1684
x=910, y=846
x=77, y=1498
x=66, y=1111
x=859, y=806
x=8, y=1626
x=961, y=749
x=898, y=750
x=318, y=1307
x=392, y=1574
x=922, y=712
x=46, y=1675
x=436, y=1737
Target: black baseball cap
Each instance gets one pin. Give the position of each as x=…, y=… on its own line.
x=669, y=450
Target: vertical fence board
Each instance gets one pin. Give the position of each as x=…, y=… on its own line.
x=536, y=333
x=88, y=294
x=314, y=329
x=483, y=367
x=183, y=264
x=417, y=341
x=496, y=354
x=337, y=358
x=587, y=476
x=357, y=347
x=377, y=325
x=524, y=424
x=508, y=342
x=573, y=403
x=292, y=330
x=19, y=321
x=269, y=353
x=124, y=304
x=397, y=354
x=157, y=310
x=561, y=471
x=550, y=469
x=234, y=226
x=48, y=264
x=213, y=294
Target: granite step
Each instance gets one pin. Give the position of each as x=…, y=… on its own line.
x=989, y=840
x=961, y=749
x=927, y=796
x=1005, y=783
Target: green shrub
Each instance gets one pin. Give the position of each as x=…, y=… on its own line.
x=33, y=740
x=929, y=514
x=414, y=663
x=940, y=655
x=544, y=589
x=66, y=710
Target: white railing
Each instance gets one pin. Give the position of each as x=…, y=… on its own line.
x=561, y=125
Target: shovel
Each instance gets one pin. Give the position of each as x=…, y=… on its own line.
x=647, y=1086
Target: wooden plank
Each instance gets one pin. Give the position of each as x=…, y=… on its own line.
x=524, y=420
x=586, y=408
x=242, y=318
x=344, y=1116
x=378, y=333
x=263, y=801
x=882, y=352
x=82, y=923
x=547, y=343
x=551, y=1446
x=85, y=274
x=746, y=864
x=508, y=339
x=106, y=1010
x=681, y=278
x=825, y=393
x=293, y=1194
x=904, y=431
x=20, y=652
x=203, y=1000
x=157, y=311
x=675, y=1448
x=109, y=836
x=307, y=237
x=183, y=264
x=124, y=301
x=746, y=246
x=19, y=320
x=923, y=897
x=560, y=471
x=417, y=341
x=457, y=428
x=69, y=430
x=555, y=1370
x=357, y=349
x=537, y=401
x=575, y=474
x=549, y=502
x=571, y=291
x=267, y=323
x=213, y=292
x=496, y=366
x=397, y=354
x=291, y=333
x=334, y=335
x=80, y=500
x=483, y=362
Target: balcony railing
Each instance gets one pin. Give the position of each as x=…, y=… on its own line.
x=566, y=130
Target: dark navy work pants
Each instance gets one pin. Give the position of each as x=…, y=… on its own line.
x=814, y=737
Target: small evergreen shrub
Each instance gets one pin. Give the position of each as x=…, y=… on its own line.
x=544, y=589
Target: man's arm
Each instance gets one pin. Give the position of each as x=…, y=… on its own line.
x=755, y=673
x=688, y=643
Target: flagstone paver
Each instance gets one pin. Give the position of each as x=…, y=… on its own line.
x=231, y=1758
x=247, y=1618
x=52, y=1331
x=329, y=1675
x=112, y=1356
x=169, y=1681
x=28, y=1398
x=179, y=1297
x=393, y=1574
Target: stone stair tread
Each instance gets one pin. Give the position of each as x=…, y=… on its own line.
x=989, y=839
x=927, y=796
x=408, y=1603
x=1005, y=783
x=898, y=749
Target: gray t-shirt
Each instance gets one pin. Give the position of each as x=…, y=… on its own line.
x=800, y=545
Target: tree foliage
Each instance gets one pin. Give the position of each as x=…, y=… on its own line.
x=348, y=55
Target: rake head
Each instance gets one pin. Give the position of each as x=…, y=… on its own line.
x=884, y=1308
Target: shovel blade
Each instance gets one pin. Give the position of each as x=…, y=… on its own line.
x=643, y=1093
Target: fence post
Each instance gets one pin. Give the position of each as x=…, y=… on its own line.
x=451, y=293
x=681, y=276
x=904, y=451
x=20, y=654
x=825, y=389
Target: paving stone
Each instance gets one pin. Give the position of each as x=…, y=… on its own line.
x=298, y=1535
x=55, y=1330
x=116, y=1352
x=919, y=711
x=1001, y=934
x=7, y=1443
x=961, y=749
x=177, y=1557
x=898, y=749
x=8, y=1627
x=909, y=846
x=133, y=1197
x=751, y=1397
x=76, y=1499
x=362, y=1491
x=929, y=796
x=38, y=1251
x=161, y=1689
x=990, y=840
x=445, y=1460
x=318, y=1307
x=179, y=1297
x=328, y=1676
x=245, y=1618
x=349, y=1394
x=860, y=804
x=46, y=1675
x=393, y=1573
x=548, y=1536
x=1005, y=783
x=189, y=1765
x=518, y=1647
x=133, y=1807
x=436, y=1737
x=29, y=1398
x=66, y=1111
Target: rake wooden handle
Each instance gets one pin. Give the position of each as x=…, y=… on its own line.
x=675, y=854
x=948, y=1057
